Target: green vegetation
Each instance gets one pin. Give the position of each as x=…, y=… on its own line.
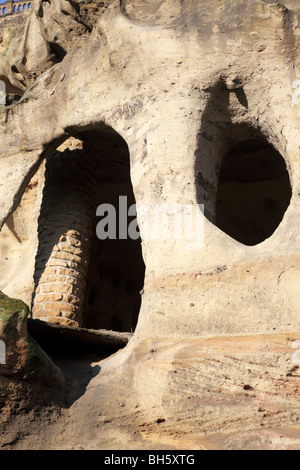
x=9, y=307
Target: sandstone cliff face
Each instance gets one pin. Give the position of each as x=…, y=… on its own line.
x=203, y=98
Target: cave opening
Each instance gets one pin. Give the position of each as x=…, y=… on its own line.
x=254, y=191
x=80, y=279
x=116, y=268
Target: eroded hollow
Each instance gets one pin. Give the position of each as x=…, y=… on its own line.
x=254, y=191
x=80, y=279
x=241, y=179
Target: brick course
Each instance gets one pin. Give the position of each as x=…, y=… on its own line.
x=65, y=226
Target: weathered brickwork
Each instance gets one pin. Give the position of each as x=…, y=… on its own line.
x=15, y=7
x=64, y=238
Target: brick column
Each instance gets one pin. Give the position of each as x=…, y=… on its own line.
x=65, y=228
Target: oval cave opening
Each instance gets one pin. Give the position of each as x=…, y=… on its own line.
x=254, y=191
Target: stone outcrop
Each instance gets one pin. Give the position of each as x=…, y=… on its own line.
x=177, y=104
x=43, y=38
x=27, y=375
x=211, y=119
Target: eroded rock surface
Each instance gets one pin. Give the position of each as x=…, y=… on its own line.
x=42, y=38
x=185, y=84
x=28, y=378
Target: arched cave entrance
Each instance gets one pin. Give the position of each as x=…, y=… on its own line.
x=254, y=191
x=81, y=280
